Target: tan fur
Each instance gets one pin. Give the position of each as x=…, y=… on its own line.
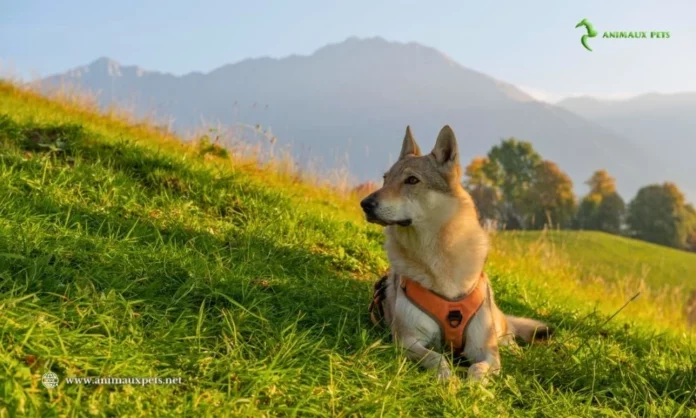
x=434, y=237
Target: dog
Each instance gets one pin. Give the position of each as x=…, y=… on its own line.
x=437, y=250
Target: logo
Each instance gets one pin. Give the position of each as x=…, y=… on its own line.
x=50, y=380
x=591, y=33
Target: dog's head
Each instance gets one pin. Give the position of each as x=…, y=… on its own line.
x=417, y=187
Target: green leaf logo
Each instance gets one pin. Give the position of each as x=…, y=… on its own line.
x=591, y=33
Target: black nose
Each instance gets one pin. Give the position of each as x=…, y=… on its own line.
x=368, y=204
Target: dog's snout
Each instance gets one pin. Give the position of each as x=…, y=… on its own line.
x=368, y=204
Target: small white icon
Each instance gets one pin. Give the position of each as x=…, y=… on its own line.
x=50, y=380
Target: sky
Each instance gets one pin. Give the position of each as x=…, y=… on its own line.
x=532, y=44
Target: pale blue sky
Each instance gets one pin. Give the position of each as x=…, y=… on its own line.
x=532, y=44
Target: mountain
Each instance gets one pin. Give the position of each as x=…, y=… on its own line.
x=356, y=97
x=662, y=124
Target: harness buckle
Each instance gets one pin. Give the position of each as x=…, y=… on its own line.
x=454, y=318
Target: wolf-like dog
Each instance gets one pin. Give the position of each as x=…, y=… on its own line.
x=434, y=238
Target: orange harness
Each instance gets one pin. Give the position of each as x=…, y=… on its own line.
x=451, y=315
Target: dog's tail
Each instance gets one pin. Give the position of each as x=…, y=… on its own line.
x=527, y=329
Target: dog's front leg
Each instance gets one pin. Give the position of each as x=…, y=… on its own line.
x=414, y=331
x=429, y=359
x=482, y=345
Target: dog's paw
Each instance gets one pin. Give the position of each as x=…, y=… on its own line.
x=444, y=373
x=479, y=373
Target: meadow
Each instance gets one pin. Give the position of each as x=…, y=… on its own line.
x=125, y=252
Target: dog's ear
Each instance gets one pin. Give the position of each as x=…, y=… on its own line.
x=445, y=151
x=409, y=146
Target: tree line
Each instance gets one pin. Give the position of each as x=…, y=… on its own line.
x=515, y=188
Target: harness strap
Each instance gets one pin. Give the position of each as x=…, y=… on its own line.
x=452, y=315
x=379, y=294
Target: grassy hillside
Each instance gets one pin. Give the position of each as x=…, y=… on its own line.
x=124, y=253
x=613, y=259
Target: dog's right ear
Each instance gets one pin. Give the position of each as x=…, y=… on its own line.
x=409, y=146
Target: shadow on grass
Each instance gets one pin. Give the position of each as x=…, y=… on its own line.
x=180, y=269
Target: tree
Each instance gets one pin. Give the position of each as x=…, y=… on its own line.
x=601, y=183
x=511, y=168
x=549, y=199
x=602, y=209
x=516, y=187
x=485, y=195
x=658, y=214
x=475, y=172
x=691, y=227
x=610, y=214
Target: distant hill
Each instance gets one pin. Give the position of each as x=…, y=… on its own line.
x=662, y=124
x=614, y=258
x=356, y=97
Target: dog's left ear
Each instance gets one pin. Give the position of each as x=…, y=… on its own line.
x=446, y=151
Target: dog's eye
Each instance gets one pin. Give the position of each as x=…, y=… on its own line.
x=411, y=180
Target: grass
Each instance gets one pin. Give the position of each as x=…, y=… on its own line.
x=125, y=253
x=615, y=258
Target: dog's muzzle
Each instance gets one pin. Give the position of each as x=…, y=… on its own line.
x=369, y=204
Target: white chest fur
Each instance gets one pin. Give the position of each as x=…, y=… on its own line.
x=411, y=320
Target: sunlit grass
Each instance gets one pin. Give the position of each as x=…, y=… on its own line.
x=125, y=253
x=603, y=271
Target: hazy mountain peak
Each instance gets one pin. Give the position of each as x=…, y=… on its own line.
x=661, y=123
x=104, y=62
x=105, y=67
x=354, y=41
x=356, y=96
x=377, y=44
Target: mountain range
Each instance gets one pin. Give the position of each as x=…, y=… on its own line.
x=356, y=97
x=664, y=125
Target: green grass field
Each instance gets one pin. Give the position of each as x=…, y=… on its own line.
x=124, y=253
x=613, y=258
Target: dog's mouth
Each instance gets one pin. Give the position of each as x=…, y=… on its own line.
x=378, y=221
